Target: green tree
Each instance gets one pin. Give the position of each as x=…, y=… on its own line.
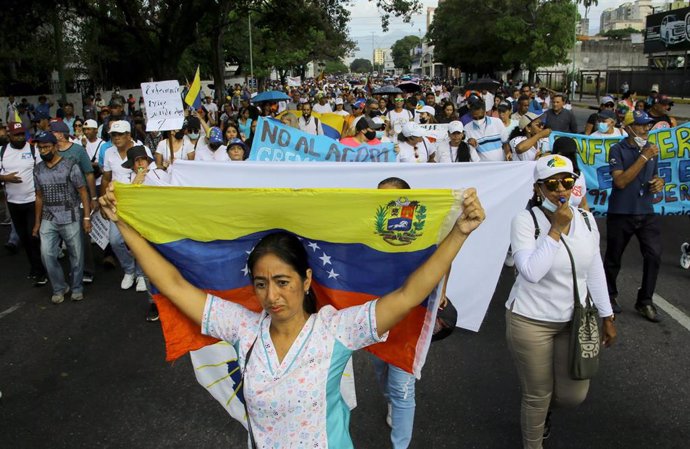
x=588, y=4
x=361, y=65
x=619, y=34
x=400, y=51
x=336, y=67
x=503, y=34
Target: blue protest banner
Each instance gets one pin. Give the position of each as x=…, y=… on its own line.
x=674, y=168
x=274, y=141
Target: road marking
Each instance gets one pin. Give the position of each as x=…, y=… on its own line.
x=673, y=311
x=10, y=310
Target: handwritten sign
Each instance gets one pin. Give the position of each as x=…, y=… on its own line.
x=274, y=141
x=164, y=110
x=674, y=168
x=100, y=230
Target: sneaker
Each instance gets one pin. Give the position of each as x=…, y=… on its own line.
x=127, y=282
x=685, y=255
x=57, y=298
x=141, y=284
x=39, y=281
x=109, y=262
x=648, y=311
x=77, y=296
x=615, y=306
x=152, y=314
x=87, y=279
x=547, y=426
x=389, y=416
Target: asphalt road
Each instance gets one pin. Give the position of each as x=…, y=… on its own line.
x=93, y=375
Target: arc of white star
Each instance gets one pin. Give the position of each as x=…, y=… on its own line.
x=332, y=274
x=326, y=259
x=314, y=246
x=245, y=270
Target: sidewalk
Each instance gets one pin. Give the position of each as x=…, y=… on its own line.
x=681, y=111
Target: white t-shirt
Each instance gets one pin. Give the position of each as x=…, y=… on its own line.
x=398, y=119
x=206, y=154
x=344, y=113
x=579, y=191
x=617, y=132
x=505, y=136
x=488, y=101
x=22, y=162
x=112, y=162
x=531, y=154
x=182, y=153
x=325, y=109
x=92, y=149
x=447, y=153
x=310, y=126
x=407, y=153
x=543, y=289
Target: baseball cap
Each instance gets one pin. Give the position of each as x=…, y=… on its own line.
x=58, y=126
x=44, y=137
x=655, y=88
x=16, y=128
x=429, y=110
x=607, y=113
x=637, y=118
x=412, y=129
x=527, y=119
x=607, y=99
x=237, y=141
x=120, y=126
x=455, y=127
x=338, y=101
x=473, y=99
x=359, y=104
x=552, y=164
x=215, y=135
x=366, y=122
x=134, y=153
x=91, y=123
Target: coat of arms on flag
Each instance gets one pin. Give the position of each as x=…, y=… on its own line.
x=400, y=221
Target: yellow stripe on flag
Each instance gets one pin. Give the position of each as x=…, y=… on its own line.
x=17, y=118
x=194, y=89
x=168, y=214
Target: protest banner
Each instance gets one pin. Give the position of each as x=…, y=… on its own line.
x=100, y=230
x=274, y=141
x=674, y=168
x=164, y=110
x=436, y=131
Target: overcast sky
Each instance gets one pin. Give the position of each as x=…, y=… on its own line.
x=366, y=20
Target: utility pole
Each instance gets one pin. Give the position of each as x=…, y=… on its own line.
x=251, y=56
x=373, y=53
x=575, y=45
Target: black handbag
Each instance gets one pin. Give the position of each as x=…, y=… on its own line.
x=585, y=339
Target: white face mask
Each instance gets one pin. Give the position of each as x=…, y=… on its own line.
x=479, y=122
x=548, y=204
x=639, y=141
x=193, y=136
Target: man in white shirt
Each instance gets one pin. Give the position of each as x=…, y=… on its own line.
x=212, y=110
x=92, y=143
x=17, y=161
x=339, y=107
x=484, y=134
x=115, y=156
x=322, y=107
x=307, y=123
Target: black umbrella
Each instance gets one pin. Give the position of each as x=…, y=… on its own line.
x=387, y=90
x=482, y=84
x=409, y=86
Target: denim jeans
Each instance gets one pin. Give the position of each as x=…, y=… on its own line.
x=129, y=265
x=51, y=234
x=398, y=388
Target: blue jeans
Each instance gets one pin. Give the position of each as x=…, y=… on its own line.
x=129, y=265
x=398, y=388
x=51, y=235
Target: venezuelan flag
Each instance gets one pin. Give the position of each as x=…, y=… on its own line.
x=332, y=124
x=193, y=97
x=362, y=244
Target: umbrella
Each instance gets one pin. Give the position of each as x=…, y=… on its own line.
x=388, y=79
x=270, y=95
x=409, y=86
x=483, y=83
x=406, y=78
x=387, y=90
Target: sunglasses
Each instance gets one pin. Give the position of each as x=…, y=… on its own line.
x=552, y=184
x=398, y=100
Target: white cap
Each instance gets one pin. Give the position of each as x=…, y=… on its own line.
x=429, y=110
x=120, y=126
x=303, y=100
x=379, y=121
x=338, y=100
x=607, y=99
x=412, y=129
x=90, y=123
x=455, y=127
x=552, y=164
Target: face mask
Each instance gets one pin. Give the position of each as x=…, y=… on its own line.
x=640, y=141
x=193, y=136
x=423, y=121
x=179, y=135
x=370, y=135
x=4, y=141
x=479, y=122
x=603, y=127
x=214, y=146
x=47, y=157
x=379, y=134
x=549, y=205
x=18, y=144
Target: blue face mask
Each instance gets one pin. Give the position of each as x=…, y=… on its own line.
x=603, y=127
x=379, y=134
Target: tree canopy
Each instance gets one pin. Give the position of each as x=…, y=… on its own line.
x=361, y=65
x=503, y=34
x=620, y=34
x=400, y=51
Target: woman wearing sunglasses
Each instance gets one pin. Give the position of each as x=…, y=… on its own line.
x=540, y=305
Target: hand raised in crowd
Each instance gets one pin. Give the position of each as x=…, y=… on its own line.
x=473, y=213
x=656, y=185
x=546, y=132
x=650, y=150
x=13, y=178
x=609, y=333
x=108, y=204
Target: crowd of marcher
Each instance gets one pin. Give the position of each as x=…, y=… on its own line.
x=54, y=168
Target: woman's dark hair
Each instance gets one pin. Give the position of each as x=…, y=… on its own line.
x=397, y=182
x=628, y=93
x=290, y=250
x=567, y=147
x=517, y=132
x=231, y=124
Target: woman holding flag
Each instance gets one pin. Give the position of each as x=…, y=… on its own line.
x=292, y=355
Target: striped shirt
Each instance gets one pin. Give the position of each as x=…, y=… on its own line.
x=488, y=137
